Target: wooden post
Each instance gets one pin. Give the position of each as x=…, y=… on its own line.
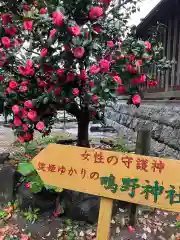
x=143, y=145
x=104, y=221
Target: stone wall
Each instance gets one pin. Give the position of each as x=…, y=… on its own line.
x=162, y=118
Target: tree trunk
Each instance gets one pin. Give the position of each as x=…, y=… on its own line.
x=83, y=126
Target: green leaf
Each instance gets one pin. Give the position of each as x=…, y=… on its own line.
x=96, y=46
x=106, y=90
x=25, y=168
x=36, y=187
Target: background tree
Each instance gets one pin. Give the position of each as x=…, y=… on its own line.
x=74, y=55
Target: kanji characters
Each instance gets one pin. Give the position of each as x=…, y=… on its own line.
x=51, y=168
x=86, y=155
x=83, y=173
x=112, y=159
x=61, y=169
x=109, y=183
x=155, y=190
x=130, y=185
x=72, y=171
x=158, y=165
x=172, y=195
x=127, y=161
x=42, y=166
x=98, y=157
x=94, y=175
x=142, y=164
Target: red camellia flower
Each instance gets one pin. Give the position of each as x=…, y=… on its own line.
x=6, y=18
x=78, y=52
x=17, y=122
x=23, y=89
x=139, y=80
x=104, y=65
x=28, y=185
x=15, y=109
x=67, y=47
x=107, y=2
x=60, y=72
x=117, y=79
x=95, y=13
x=75, y=30
x=11, y=31
x=2, y=77
x=97, y=28
x=43, y=52
x=43, y=11
x=28, y=104
x=57, y=91
x=6, y=42
x=91, y=84
x=32, y=115
x=24, y=113
x=147, y=45
x=110, y=44
x=28, y=137
x=75, y=92
x=94, y=69
x=52, y=32
x=121, y=90
x=28, y=70
x=152, y=83
x=20, y=139
x=28, y=25
x=94, y=98
x=40, y=126
x=58, y=18
x=136, y=99
x=13, y=84
x=83, y=75
x=131, y=69
x=70, y=77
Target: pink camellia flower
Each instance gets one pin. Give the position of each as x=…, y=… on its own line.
x=142, y=78
x=94, y=69
x=55, y=214
x=15, y=109
x=52, y=32
x=25, y=82
x=104, y=65
x=23, y=89
x=106, y=2
x=25, y=127
x=29, y=63
x=24, y=237
x=11, y=31
x=94, y=98
x=43, y=52
x=152, y=83
x=13, y=84
x=95, y=13
x=43, y=11
x=140, y=62
x=121, y=90
x=17, y=122
x=131, y=69
x=91, y=84
x=78, y=52
x=28, y=104
x=6, y=18
x=20, y=139
x=24, y=113
x=60, y=72
x=28, y=25
x=28, y=185
x=57, y=91
x=58, y=18
x=26, y=7
x=110, y=44
x=117, y=79
x=2, y=77
x=70, y=77
x=32, y=115
x=6, y=42
x=75, y=30
x=75, y=92
x=40, y=126
x=41, y=84
x=136, y=99
x=28, y=70
x=131, y=229
x=83, y=75
x=147, y=45
x=97, y=28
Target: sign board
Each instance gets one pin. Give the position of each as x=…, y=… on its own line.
x=128, y=177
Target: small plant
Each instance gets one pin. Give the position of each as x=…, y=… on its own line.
x=31, y=215
x=3, y=214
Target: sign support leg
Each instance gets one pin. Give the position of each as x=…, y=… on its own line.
x=104, y=220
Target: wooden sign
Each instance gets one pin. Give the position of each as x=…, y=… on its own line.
x=128, y=177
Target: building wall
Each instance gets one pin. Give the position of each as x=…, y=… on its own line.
x=162, y=118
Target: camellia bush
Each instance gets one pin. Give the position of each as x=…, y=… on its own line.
x=73, y=55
